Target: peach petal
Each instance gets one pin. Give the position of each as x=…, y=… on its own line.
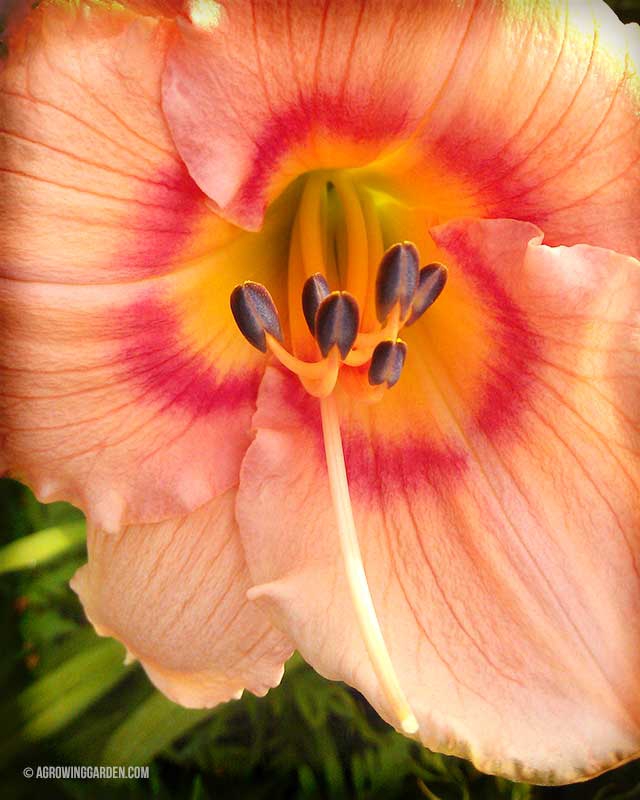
x=506, y=579
x=274, y=111
x=541, y=124
x=175, y=594
x=108, y=399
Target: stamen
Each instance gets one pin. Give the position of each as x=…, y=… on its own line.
x=255, y=314
x=336, y=323
x=314, y=291
x=387, y=362
x=298, y=335
x=388, y=331
x=431, y=282
x=397, y=279
x=356, y=576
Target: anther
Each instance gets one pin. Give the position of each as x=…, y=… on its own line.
x=255, y=314
x=314, y=291
x=336, y=323
x=387, y=362
x=397, y=279
x=430, y=284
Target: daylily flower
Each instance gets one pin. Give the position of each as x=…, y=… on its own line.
x=475, y=570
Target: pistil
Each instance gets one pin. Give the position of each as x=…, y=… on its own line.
x=356, y=577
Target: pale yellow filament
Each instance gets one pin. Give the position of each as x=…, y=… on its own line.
x=356, y=577
x=375, y=252
x=312, y=243
x=366, y=343
x=297, y=324
x=357, y=273
x=314, y=370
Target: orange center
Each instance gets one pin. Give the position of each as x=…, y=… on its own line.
x=336, y=243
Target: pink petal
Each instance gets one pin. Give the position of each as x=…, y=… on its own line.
x=175, y=594
x=495, y=493
x=119, y=391
x=527, y=111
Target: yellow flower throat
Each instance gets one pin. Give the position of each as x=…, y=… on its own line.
x=348, y=298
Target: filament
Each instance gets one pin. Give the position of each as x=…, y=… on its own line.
x=366, y=343
x=310, y=213
x=314, y=370
x=375, y=252
x=357, y=257
x=318, y=377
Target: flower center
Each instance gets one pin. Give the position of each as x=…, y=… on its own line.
x=348, y=297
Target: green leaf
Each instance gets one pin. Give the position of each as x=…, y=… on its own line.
x=52, y=701
x=152, y=727
x=42, y=628
x=39, y=548
x=426, y=791
x=312, y=707
x=197, y=791
x=307, y=781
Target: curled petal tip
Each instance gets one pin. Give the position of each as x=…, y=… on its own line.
x=256, y=592
x=47, y=492
x=108, y=513
x=253, y=593
x=204, y=14
x=410, y=724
